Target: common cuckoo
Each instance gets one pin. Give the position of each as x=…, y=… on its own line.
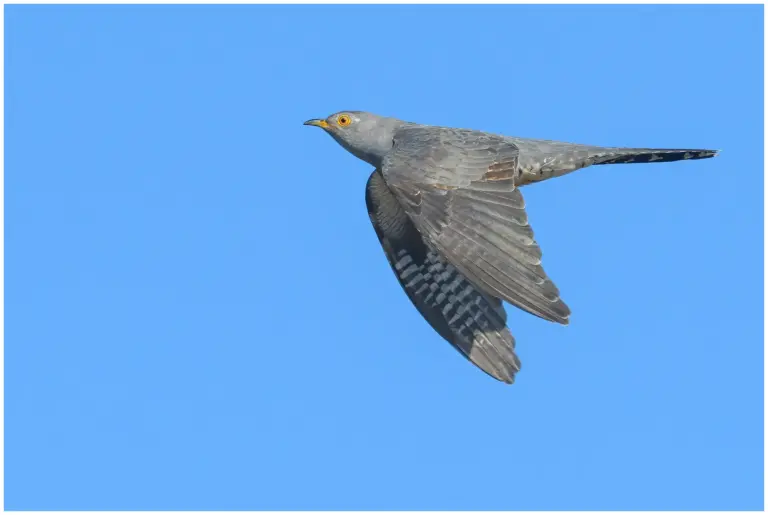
x=446, y=206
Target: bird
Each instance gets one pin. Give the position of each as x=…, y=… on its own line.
x=446, y=206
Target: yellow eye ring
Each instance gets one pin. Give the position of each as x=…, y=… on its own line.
x=343, y=120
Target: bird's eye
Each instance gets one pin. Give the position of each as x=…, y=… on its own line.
x=343, y=120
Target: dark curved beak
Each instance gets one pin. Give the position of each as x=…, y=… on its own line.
x=317, y=123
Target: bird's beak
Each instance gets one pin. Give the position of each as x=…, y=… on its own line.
x=317, y=123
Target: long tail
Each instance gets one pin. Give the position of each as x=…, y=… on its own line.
x=649, y=155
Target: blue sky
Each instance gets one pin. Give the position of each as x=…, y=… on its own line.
x=199, y=315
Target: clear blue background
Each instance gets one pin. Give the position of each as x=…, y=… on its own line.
x=199, y=315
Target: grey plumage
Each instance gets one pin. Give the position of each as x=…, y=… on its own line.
x=446, y=206
x=473, y=322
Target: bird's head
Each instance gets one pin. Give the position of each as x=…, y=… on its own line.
x=365, y=135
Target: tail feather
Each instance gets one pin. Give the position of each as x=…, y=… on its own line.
x=650, y=155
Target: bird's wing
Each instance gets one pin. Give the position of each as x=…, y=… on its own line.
x=472, y=321
x=458, y=187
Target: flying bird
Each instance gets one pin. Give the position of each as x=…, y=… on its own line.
x=446, y=206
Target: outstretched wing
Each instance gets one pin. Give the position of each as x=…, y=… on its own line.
x=458, y=187
x=473, y=322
